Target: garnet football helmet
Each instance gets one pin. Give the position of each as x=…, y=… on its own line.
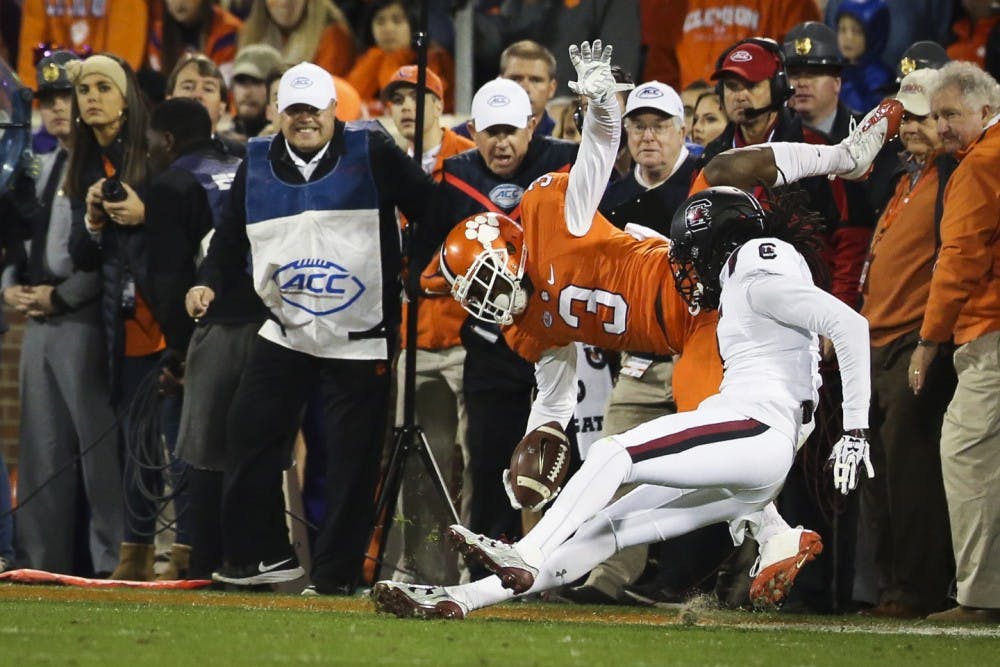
x=483, y=260
x=704, y=231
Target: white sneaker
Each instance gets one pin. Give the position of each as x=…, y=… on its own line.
x=416, y=601
x=499, y=558
x=779, y=562
x=866, y=140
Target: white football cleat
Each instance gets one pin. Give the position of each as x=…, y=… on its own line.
x=499, y=558
x=779, y=562
x=869, y=136
x=415, y=601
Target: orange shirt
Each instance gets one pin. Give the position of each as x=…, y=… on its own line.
x=970, y=43
x=440, y=317
x=375, y=68
x=965, y=288
x=142, y=333
x=348, y=100
x=121, y=29
x=219, y=45
x=709, y=27
x=335, y=51
x=900, y=260
x=610, y=290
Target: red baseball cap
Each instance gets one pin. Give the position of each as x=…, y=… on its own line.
x=407, y=76
x=749, y=61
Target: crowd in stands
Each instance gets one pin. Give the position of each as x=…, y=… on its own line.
x=178, y=254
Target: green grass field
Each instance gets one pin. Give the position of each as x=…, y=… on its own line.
x=64, y=626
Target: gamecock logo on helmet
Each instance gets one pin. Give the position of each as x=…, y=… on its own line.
x=696, y=217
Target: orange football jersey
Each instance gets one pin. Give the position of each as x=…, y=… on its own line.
x=605, y=288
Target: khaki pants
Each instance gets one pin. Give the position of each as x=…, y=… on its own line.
x=970, y=461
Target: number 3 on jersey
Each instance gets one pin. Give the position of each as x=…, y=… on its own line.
x=592, y=298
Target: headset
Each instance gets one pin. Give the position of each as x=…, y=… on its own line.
x=781, y=89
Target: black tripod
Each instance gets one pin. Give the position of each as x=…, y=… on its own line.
x=409, y=437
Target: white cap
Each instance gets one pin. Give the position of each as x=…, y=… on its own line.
x=500, y=102
x=657, y=96
x=306, y=84
x=915, y=91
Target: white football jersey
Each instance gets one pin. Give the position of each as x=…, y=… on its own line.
x=769, y=314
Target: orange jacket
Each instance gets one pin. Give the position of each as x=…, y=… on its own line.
x=897, y=279
x=712, y=26
x=219, y=44
x=965, y=289
x=335, y=51
x=971, y=39
x=375, y=68
x=348, y=100
x=121, y=30
x=440, y=317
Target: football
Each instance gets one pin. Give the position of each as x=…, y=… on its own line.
x=539, y=466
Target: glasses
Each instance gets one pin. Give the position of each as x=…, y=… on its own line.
x=659, y=130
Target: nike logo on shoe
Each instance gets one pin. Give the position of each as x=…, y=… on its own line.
x=270, y=568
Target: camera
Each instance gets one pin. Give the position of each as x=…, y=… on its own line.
x=113, y=191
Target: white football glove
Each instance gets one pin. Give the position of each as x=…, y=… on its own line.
x=847, y=457
x=593, y=72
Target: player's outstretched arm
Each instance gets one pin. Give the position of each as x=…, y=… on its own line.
x=589, y=175
x=555, y=376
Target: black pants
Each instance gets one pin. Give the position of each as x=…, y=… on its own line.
x=905, y=505
x=264, y=417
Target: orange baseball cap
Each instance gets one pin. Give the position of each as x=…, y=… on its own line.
x=407, y=76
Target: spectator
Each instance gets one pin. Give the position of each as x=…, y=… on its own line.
x=566, y=121
x=963, y=305
x=814, y=66
x=912, y=21
x=192, y=26
x=89, y=28
x=904, y=506
x=309, y=179
x=509, y=156
x=389, y=41
x=707, y=31
x=439, y=398
x=971, y=30
x=920, y=55
x=65, y=402
x=709, y=119
x=862, y=29
x=200, y=79
x=315, y=31
x=250, y=72
x=689, y=96
x=193, y=177
x=555, y=25
x=109, y=146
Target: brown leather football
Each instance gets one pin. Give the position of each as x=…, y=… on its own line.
x=539, y=465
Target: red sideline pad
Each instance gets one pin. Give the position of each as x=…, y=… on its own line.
x=42, y=577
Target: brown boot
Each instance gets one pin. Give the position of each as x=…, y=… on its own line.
x=177, y=566
x=135, y=562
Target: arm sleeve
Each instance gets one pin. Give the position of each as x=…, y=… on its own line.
x=555, y=375
x=588, y=178
x=802, y=305
x=80, y=288
x=84, y=247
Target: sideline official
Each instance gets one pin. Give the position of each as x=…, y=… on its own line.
x=315, y=207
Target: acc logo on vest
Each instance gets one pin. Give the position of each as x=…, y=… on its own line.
x=506, y=195
x=317, y=286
